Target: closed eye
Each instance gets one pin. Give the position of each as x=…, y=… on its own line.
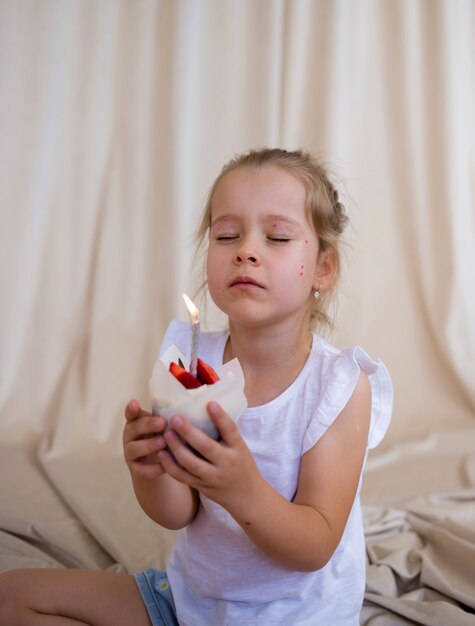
x=227, y=237
x=278, y=239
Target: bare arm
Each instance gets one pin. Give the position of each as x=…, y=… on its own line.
x=302, y=534
x=165, y=500
x=328, y=482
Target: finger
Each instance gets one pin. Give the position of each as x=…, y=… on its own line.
x=149, y=468
x=194, y=437
x=145, y=427
x=140, y=449
x=226, y=426
x=186, y=456
x=176, y=471
x=132, y=410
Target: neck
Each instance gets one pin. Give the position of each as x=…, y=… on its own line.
x=276, y=346
x=271, y=359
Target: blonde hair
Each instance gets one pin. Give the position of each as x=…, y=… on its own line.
x=323, y=205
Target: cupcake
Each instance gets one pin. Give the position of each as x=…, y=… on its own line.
x=175, y=391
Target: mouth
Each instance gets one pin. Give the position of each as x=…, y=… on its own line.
x=245, y=282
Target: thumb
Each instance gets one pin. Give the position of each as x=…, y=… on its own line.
x=223, y=422
x=132, y=410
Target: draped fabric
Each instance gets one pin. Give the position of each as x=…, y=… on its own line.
x=115, y=118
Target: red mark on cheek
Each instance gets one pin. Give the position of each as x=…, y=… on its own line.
x=301, y=270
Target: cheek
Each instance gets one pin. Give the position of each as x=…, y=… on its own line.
x=212, y=266
x=304, y=260
x=215, y=272
x=296, y=274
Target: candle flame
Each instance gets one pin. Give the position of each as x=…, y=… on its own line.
x=191, y=308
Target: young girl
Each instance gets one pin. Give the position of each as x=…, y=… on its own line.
x=271, y=527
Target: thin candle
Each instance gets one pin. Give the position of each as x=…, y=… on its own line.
x=195, y=337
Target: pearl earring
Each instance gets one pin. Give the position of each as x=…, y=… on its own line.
x=317, y=294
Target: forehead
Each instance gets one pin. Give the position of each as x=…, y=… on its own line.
x=267, y=190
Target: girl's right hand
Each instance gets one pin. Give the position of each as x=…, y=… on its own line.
x=142, y=440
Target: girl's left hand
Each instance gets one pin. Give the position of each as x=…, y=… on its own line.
x=227, y=470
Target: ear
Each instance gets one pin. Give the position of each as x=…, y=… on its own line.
x=326, y=270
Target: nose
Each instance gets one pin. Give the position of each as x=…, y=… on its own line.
x=246, y=254
x=240, y=259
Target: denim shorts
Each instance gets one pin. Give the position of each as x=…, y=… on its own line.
x=157, y=596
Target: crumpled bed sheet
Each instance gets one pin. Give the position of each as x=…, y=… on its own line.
x=57, y=512
x=421, y=561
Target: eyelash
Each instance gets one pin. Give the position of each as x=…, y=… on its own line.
x=272, y=239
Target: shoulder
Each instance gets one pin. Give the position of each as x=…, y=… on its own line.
x=340, y=362
x=344, y=374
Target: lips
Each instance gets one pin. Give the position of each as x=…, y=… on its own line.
x=245, y=281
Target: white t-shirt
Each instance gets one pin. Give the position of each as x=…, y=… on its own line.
x=217, y=575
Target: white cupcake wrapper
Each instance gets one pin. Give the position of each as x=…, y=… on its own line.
x=170, y=397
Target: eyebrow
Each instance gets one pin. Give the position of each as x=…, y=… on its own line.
x=276, y=219
x=224, y=218
x=281, y=219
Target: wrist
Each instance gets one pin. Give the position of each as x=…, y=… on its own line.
x=250, y=506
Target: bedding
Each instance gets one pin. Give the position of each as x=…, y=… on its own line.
x=418, y=505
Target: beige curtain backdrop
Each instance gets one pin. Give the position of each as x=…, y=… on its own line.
x=115, y=117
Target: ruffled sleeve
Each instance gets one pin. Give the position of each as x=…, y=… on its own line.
x=338, y=372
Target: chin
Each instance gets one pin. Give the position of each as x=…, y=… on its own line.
x=247, y=315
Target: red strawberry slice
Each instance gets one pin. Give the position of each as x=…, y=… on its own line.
x=205, y=373
x=186, y=379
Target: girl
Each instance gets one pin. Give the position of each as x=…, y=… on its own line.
x=271, y=527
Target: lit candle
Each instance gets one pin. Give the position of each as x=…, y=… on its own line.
x=195, y=337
